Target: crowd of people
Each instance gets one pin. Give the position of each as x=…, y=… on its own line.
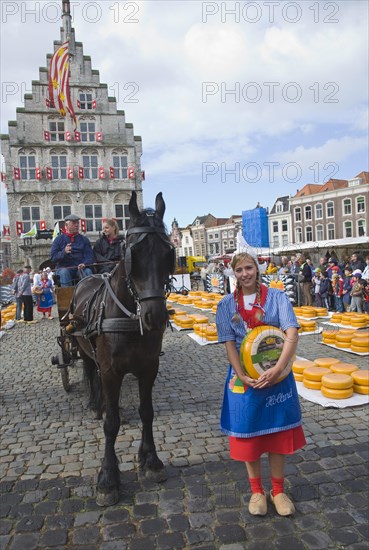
x=337, y=285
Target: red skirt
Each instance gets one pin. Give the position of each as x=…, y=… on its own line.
x=249, y=449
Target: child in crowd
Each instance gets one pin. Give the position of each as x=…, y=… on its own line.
x=337, y=285
x=316, y=282
x=325, y=286
x=357, y=292
x=347, y=286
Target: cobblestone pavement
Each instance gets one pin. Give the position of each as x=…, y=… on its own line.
x=51, y=448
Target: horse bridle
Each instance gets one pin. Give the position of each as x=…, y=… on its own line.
x=151, y=293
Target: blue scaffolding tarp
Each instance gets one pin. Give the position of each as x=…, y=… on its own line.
x=255, y=227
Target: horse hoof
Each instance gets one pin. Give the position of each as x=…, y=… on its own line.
x=107, y=499
x=157, y=476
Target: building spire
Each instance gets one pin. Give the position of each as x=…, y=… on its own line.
x=67, y=32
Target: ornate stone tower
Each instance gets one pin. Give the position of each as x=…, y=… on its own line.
x=55, y=167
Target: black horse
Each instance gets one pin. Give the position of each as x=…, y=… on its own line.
x=122, y=317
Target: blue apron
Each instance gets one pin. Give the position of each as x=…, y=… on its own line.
x=249, y=412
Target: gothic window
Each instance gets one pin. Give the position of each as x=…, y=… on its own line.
x=30, y=216
x=122, y=216
x=93, y=215
x=57, y=129
x=89, y=163
x=120, y=166
x=59, y=167
x=88, y=131
x=85, y=100
x=27, y=164
x=60, y=211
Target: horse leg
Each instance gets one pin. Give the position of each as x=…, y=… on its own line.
x=108, y=478
x=149, y=461
x=94, y=383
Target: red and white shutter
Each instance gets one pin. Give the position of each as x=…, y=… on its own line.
x=16, y=173
x=131, y=173
x=38, y=173
x=98, y=136
x=18, y=228
x=68, y=136
x=49, y=173
x=83, y=225
x=46, y=135
x=81, y=172
x=77, y=136
x=94, y=104
x=101, y=173
x=70, y=172
x=111, y=172
x=42, y=225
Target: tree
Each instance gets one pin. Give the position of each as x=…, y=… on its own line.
x=7, y=276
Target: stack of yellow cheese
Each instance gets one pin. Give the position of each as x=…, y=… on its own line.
x=343, y=338
x=195, y=293
x=329, y=336
x=8, y=314
x=177, y=315
x=211, y=333
x=312, y=377
x=307, y=326
x=298, y=367
x=200, y=329
x=336, y=318
x=361, y=381
x=360, y=342
x=308, y=312
x=185, y=300
x=184, y=321
x=337, y=386
x=174, y=311
x=321, y=311
x=198, y=318
x=359, y=320
x=214, y=308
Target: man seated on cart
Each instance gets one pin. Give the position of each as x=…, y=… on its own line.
x=72, y=253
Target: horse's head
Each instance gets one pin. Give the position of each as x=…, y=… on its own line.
x=149, y=261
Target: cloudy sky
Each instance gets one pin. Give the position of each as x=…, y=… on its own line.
x=236, y=102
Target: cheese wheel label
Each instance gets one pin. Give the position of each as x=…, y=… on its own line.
x=261, y=349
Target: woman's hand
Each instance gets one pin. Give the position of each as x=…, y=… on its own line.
x=247, y=380
x=268, y=378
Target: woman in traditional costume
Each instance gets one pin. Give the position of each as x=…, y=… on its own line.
x=45, y=297
x=259, y=415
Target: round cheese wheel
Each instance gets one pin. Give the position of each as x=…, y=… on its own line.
x=360, y=341
x=337, y=394
x=344, y=368
x=357, y=349
x=299, y=365
x=261, y=349
x=315, y=373
x=299, y=377
x=312, y=384
x=361, y=377
x=326, y=361
x=337, y=381
x=364, y=390
x=342, y=345
x=346, y=338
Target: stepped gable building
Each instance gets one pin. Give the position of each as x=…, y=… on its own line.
x=54, y=168
x=336, y=212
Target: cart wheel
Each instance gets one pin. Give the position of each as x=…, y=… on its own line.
x=64, y=372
